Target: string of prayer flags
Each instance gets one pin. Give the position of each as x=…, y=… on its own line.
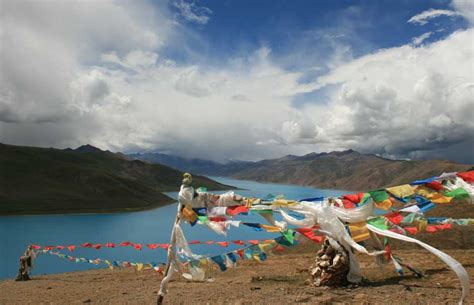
x=110, y=264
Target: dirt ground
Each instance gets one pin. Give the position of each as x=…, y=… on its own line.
x=279, y=280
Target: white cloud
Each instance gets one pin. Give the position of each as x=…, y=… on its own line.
x=419, y=40
x=107, y=83
x=403, y=99
x=192, y=12
x=423, y=17
x=465, y=8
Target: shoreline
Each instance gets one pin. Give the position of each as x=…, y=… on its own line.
x=98, y=211
x=103, y=211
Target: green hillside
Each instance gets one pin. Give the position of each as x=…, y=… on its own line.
x=85, y=180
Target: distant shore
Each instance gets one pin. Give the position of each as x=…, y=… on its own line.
x=88, y=211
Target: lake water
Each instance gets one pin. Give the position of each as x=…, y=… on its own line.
x=153, y=226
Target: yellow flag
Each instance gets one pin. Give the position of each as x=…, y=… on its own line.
x=109, y=264
x=420, y=224
x=359, y=231
x=401, y=191
x=139, y=266
x=203, y=263
x=271, y=229
x=265, y=247
x=432, y=195
x=384, y=205
x=189, y=214
x=284, y=202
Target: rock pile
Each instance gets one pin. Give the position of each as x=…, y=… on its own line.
x=330, y=267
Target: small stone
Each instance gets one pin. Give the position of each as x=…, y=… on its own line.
x=360, y=296
x=49, y=288
x=324, y=264
x=303, y=299
x=87, y=301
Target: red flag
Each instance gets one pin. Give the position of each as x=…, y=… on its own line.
x=431, y=228
x=395, y=218
x=97, y=246
x=110, y=245
x=309, y=233
x=238, y=242
x=125, y=244
x=209, y=242
x=87, y=245
x=434, y=185
x=467, y=176
x=411, y=230
x=48, y=248
x=279, y=248
x=355, y=198
x=253, y=241
x=138, y=246
x=348, y=204
x=36, y=247
x=388, y=252
x=194, y=242
x=164, y=246
x=71, y=247
x=59, y=247
x=218, y=219
x=152, y=246
x=222, y=243
x=237, y=209
x=444, y=226
x=240, y=252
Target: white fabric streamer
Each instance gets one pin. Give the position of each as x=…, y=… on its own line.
x=326, y=216
x=451, y=262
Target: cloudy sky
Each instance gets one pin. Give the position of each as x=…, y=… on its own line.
x=240, y=79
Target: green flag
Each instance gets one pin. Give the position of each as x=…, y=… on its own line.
x=379, y=195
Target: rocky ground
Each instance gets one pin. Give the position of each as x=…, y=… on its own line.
x=282, y=279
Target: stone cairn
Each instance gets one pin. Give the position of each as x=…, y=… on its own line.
x=330, y=267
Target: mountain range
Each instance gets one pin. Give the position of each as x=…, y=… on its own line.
x=87, y=179
x=347, y=170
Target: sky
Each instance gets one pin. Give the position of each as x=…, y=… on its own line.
x=240, y=80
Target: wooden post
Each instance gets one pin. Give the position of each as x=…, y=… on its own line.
x=185, y=194
x=26, y=261
x=167, y=275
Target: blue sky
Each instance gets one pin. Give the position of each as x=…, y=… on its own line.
x=237, y=27
x=248, y=80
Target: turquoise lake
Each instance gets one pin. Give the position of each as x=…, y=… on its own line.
x=153, y=226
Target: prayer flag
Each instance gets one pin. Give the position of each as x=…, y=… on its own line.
x=401, y=191
x=467, y=176
x=237, y=209
x=222, y=243
x=379, y=195
x=219, y=260
x=458, y=193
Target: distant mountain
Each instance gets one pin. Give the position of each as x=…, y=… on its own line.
x=86, y=179
x=197, y=166
x=349, y=170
